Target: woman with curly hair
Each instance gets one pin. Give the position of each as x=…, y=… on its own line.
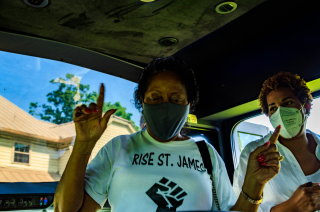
x=157, y=169
x=286, y=100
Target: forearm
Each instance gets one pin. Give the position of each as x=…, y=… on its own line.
x=70, y=191
x=254, y=191
x=283, y=207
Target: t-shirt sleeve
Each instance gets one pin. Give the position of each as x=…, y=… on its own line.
x=98, y=173
x=225, y=193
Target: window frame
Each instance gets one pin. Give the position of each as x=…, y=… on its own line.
x=13, y=152
x=247, y=134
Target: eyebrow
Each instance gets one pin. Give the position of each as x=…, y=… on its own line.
x=284, y=99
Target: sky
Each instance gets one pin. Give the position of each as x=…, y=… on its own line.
x=25, y=79
x=312, y=122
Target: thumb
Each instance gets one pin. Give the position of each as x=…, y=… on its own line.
x=106, y=117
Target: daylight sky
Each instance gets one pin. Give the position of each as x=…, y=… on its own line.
x=25, y=79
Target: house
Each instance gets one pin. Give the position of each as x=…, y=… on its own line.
x=32, y=150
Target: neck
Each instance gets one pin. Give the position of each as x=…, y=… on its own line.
x=177, y=137
x=298, y=144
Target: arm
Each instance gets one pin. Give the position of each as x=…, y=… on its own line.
x=263, y=165
x=89, y=205
x=89, y=125
x=70, y=192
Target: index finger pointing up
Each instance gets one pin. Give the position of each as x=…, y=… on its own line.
x=274, y=137
x=100, y=99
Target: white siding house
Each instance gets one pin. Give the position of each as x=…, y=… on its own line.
x=32, y=150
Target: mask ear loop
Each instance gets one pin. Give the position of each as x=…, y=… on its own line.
x=307, y=114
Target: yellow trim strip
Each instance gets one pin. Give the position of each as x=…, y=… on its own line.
x=313, y=85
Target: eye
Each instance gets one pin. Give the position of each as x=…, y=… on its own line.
x=272, y=109
x=288, y=103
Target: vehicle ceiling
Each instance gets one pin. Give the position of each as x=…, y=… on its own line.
x=231, y=54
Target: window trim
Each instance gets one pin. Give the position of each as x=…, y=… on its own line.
x=247, y=134
x=13, y=152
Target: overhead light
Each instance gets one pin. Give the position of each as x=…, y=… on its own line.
x=36, y=3
x=147, y=0
x=226, y=7
x=168, y=41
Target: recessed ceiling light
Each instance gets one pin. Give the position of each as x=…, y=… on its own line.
x=147, y=0
x=226, y=7
x=168, y=41
x=36, y=3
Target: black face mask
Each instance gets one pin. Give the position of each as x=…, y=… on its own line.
x=165, y=120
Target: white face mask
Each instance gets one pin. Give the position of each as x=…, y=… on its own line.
x=290, y=119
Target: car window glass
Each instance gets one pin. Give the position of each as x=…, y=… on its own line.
x=37, y=97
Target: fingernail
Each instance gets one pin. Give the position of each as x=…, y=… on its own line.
x=115, y=110
x=102, y=84
x=261, y=159
x=264, y=163
x=279, y=126
x=95, y=110
x=266, y=144
x=87, y=110
x=261, y=155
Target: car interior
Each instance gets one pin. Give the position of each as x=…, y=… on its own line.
x=233, y=46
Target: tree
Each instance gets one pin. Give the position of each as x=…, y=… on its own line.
x=63, y=100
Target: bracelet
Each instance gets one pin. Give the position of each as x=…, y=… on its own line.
x=252, y=201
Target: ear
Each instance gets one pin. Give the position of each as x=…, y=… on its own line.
x=307, y=106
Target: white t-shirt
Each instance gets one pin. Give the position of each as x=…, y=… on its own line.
x=315, y=178
x=137, y=173
x=283, y=185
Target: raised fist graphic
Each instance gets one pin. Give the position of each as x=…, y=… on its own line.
x=167, y=195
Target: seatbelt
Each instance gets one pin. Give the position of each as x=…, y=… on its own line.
x=203, y=148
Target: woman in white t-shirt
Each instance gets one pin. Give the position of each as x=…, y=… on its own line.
x=286, y=100
x=157, y=169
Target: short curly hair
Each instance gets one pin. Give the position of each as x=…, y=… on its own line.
x=284, y=80
x=175, y=65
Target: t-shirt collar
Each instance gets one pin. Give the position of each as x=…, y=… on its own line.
x=169, y=143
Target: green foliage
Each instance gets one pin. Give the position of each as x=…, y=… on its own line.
x=63, y=102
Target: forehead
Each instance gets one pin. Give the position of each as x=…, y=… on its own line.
x=279, y=94
x=166, y=81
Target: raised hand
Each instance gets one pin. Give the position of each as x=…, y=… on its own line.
x=89, y=122
x=264, y=162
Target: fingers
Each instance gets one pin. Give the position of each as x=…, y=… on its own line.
x=274, y=137
x=106, y=117
x=313, y=189
x=76, y=112
x=268, y=157
x=93, y=107
x=85, y=109
x=100, y=99
x=259, y=150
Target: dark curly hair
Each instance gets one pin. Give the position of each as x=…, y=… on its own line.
x=175, y=65
x=284, y=80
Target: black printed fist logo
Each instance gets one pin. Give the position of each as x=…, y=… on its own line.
x=167, y=195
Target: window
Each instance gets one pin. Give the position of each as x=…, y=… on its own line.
x=21, y=153
x=37, y=99
x=257, y=127
x=245, y=138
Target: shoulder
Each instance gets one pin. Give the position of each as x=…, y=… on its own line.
x=121, y=141
x=215, y=156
